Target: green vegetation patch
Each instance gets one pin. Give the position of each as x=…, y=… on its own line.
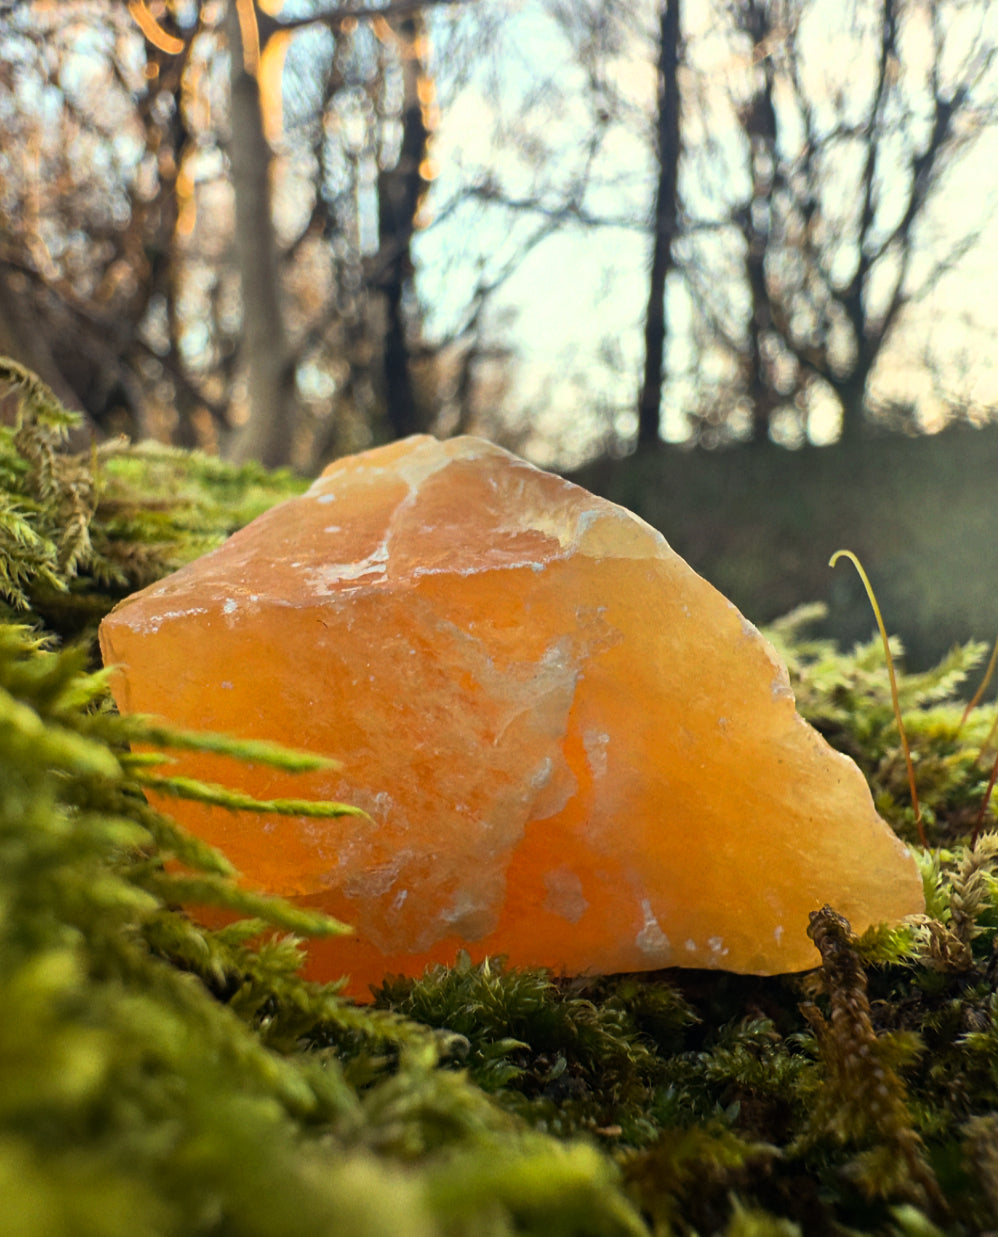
x=159, y=1078
x=80, y=532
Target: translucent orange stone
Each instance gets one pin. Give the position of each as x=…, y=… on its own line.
x=573, y=750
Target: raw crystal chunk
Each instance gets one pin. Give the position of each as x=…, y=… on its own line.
x=573, y=750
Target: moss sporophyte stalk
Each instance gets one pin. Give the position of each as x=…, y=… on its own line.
x=893, y=681
x=159, y=1078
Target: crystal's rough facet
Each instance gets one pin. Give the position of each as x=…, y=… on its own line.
x=573, y=750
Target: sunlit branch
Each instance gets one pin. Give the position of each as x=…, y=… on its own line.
x=153, y=31
x=249, y=33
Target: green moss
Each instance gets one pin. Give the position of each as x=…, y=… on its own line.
x=79, y=532
x=157, y=1078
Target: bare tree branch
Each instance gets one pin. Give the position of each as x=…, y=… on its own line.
x=336, y=19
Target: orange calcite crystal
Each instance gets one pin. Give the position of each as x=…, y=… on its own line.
x=572, y=749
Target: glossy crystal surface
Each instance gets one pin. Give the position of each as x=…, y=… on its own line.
x=573, y=750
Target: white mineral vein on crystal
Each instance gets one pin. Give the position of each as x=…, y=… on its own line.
x=542, y=774
x=375, y=564
x=563, y=894
x=780, y=688
x=428, y=459
x=651, y=940
x=468, y=916
x=155, y=623
x=595, y=743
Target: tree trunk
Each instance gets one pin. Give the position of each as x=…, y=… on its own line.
x=267, y=435
x=400, y=190
x=758, y=119
x=666, y=210
x=763, y=399
x=851, y=392
x=23, y=338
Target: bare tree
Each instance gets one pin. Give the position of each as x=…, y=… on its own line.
x=196, y=255
x=796, y=242
x=361, y=326
x=665, y=217
x=847, y=158
x=544, y=173
x=401, y=188
x=270, y=368
x=88, y=201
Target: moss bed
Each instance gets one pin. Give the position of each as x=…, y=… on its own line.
x=157, y=1078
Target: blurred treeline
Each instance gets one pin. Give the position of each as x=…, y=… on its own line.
x=762, y=525
x=286, y=230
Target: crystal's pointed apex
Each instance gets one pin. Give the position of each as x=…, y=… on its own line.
x=577, y=753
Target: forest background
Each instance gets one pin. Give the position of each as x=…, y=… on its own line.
x=732, y=260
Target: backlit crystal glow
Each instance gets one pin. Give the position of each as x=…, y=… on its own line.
x=573, y=750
